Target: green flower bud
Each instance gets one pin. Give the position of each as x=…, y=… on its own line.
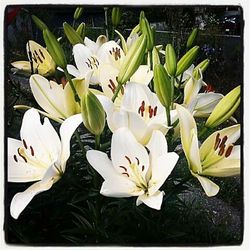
x=148, y=32
x=71, y=34
x=192, y=38
x=39, y=23
x=185, y=62
x=142, y=15
x=170, y=59
x=81, y=30
x=224, y=109
x=201, y=66
x=78, y=13
x=54, y=49
x=132, y=60
x=93, y=113
x=116, y=16
x=162, y=85
x=155, y=57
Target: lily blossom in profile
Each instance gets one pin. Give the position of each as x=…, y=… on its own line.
x=131, y=170
x=39, y=156
x=217, y=156
x=40, y=58
x=140, y=110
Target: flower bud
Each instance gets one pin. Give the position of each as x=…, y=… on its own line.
x=116, y=16
x=186, y=61
x=148, y=32
x=170, y=60
x=224, y=109
x=192, y=38
x=155, y=57
x=81, y=30
x=132, y=60
x=39, y=23
x=162, y=85
x=71, y=34
x=54, y=49
x=93, y=113
x=78, y=13
x=201, y=66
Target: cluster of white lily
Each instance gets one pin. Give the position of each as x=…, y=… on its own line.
x=143, y=102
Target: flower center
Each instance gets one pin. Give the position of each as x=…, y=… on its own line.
x=38, y=57
x=134, y=172
x=92, y=63
x=220, y=146
x=147, y=111
x=116, y=53
x=112, y=86
x=26, y=154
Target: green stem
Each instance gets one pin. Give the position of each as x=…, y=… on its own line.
x=179, y=86
x=117, y=90
x=97, y=141
x=106, y=22
x=105, y=145
x=172, y=93
x=77, y=99
x=168, y=115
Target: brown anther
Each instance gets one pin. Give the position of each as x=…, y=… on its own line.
x=113, y=91
x=97, y=62
x=42, y=54
x=223, y=140
x=155, y=111
x=34, y=58
x=125, y=169
x=25, y=144
x=222, y=149
x=18, y=151
x=35, y=52
x=15, y=158
x=138, y=162
x=113, y=50
x=122, y=90
x=217, y=141
x=32, y=151
x=87, y=64
x=229, y=151
x=142, y=168
x=41, y=61
x=128, y=159
x=126, y=174
x=89, y=61
x=112, y=83
x=150, y=110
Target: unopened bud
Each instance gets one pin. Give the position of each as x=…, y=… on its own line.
x=54, y=49
x=185, y=62
x=148, y=32
x=39, y=23
x=224, y=109
x=116, y=16
x=71, y=34
x=202, y=66
x=162, y=85
x=170, y=60
x=192, y=38
x=132, y=60
x=81, y=30
x=78, y=13
x=93, y=113
x=155, y=57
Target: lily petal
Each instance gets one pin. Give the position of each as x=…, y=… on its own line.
x=153, y=201
x=210, y=188
x=22, y=65
x=143, y=75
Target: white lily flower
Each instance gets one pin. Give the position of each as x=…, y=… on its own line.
x=131, y=171
x=90, y=59
x=40, y=156
x=140, y=111
x=217, y=156
x=42, y=62
x=57, y=100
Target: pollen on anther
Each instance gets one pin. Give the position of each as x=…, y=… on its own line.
x=128, y=159
x=32, y=151
x=142, y=168
x=126, y=174
x=138, y=162
x=229, y=151
x=125, y=169
x=222, y=149
x=15, y=158
x=25, y=144
x=217, y=141
x=223, y=140
x=155, y=111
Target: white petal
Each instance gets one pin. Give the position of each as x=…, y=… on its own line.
x=191, y=89
x=161, y=169
x=22, y=65
x=73, y=71
x=210, y=188
x=101, y=40
x=42, y=137
x=49, y=95
x=153, y=201
x=91, y=45
x=67, y=129
x=21, y=200
x=143, y=75
x=21, y=171
x=125, y=149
